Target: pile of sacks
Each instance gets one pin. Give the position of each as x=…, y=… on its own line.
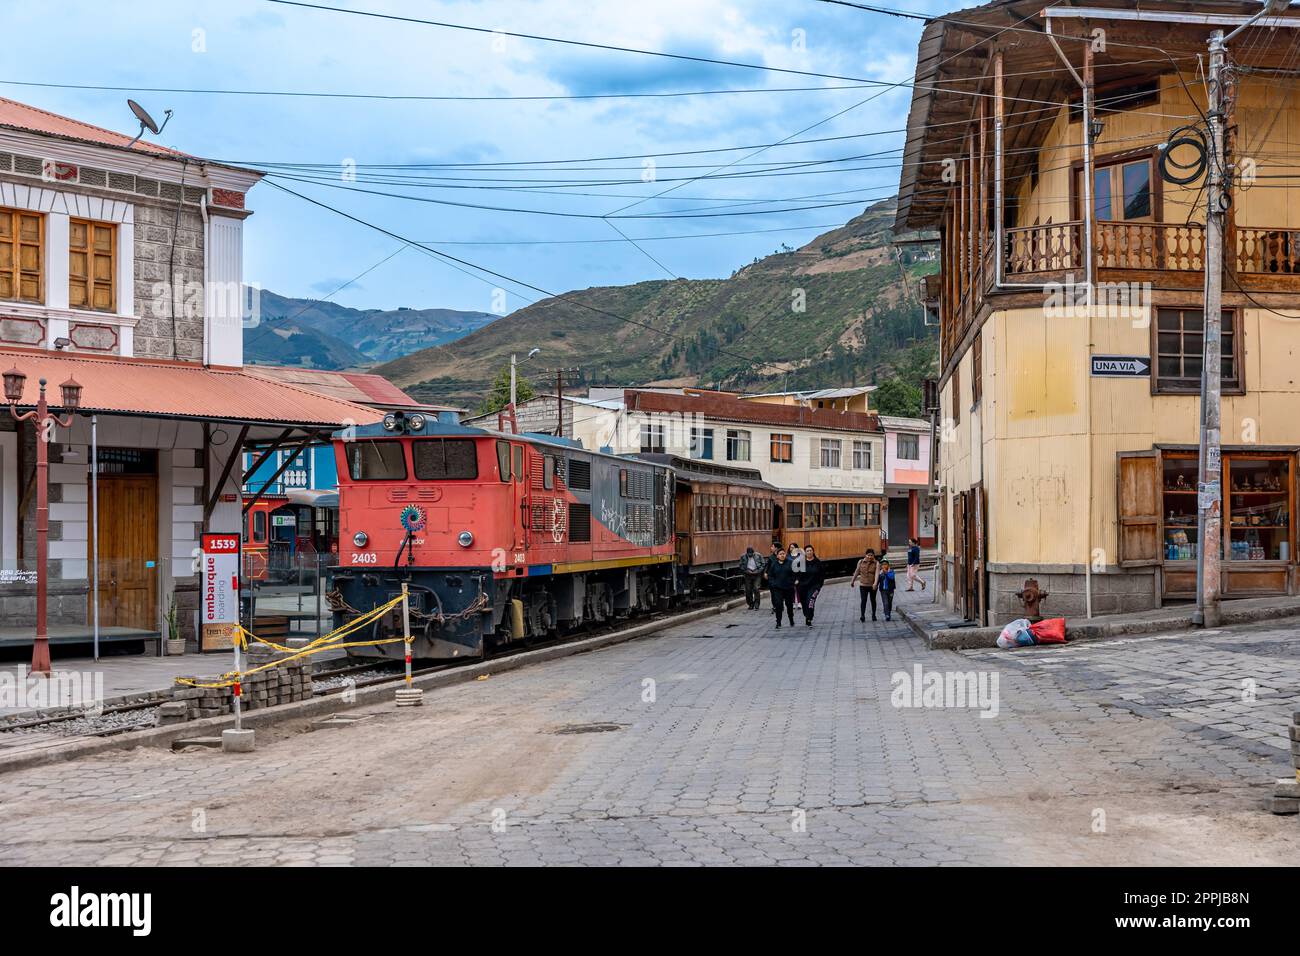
x=1025, y=633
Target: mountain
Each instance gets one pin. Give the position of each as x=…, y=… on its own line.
x=321, y=334
x=837, y=311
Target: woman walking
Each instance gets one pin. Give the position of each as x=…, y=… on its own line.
x=780, y=582
x=914, y=563
x=810, y=583
x=864, y=578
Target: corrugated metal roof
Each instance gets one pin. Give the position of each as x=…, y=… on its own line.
x=177, y=390
x=897, y=422
x=30, y=118
x=365, y=388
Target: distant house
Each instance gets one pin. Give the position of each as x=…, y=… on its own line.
x=910, y=512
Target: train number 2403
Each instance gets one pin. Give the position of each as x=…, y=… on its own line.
x=365, y=557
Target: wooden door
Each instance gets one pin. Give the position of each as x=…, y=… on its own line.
x=1138, y=494
x=960, y=554
x=128, y=551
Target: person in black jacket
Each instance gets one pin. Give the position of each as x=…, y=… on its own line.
x=751, y=566
x=810, y=583
x=780, y=581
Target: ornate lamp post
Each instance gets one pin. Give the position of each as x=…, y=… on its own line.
x=14, y=383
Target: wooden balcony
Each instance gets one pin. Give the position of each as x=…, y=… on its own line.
x=1169, y=255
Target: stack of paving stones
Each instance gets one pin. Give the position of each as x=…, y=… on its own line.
x=275, y=685
x=1286, y=793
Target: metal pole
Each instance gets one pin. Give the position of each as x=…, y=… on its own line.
x=559, y=403
x=1089, y=215
x=1209, y=517
x=406, y=630
x=512, y=380
x=41, y=646
x=239, y=716
x=94, y=520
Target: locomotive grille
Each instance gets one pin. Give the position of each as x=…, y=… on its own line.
x=579, y=521
x=579, y=474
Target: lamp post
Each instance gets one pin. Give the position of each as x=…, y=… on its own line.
x=514, y=364
x=14, y=384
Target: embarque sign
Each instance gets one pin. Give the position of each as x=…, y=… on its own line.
x=219, y=589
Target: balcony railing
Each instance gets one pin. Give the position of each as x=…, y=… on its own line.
x=1268, y=251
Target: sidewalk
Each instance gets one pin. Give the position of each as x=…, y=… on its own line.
x=942, y=628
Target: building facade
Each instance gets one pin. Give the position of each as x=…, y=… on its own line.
x=1070, y=302
x=910, y=510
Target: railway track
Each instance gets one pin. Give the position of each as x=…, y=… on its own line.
x=334, y=678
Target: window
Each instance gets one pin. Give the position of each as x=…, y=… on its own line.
x=846, y=514
x=21, y=263
x=441, y=459
x=503, y=460
x=862, y=455
x=782, y=447
x=830, y=453
x=909, y=447
x=702, y=443
x=1122, y=191
x=794, y=514
x=376, y=461
x=652, y=438
x=873, y=515
x=519, y=462
x=860, y=516
x=976, y=369
x=1179, y=342
x=737, y=445
x=828, y=514
x=92, y=259
x=259, y=527
x=956, y=392
x=812, y=514
x=548, y=472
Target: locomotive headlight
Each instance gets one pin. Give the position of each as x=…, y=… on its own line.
x=465, y=539
x=415, y=423
x=361, y=539
x=390, y=422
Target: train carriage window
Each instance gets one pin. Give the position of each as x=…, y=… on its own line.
x=548, y=472
x=860, y=516
x=376, y=461
x=812, y=514
x=794, y=514
x=503, y=460
x=442, y=459
x=519, y=462
x=259, y=527
x=846, y=515
x=828, y=514
x=873, y=515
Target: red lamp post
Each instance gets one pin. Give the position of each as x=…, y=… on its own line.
x=14, y=383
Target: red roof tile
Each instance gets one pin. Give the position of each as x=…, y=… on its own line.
x=363, y=387
x=21, y=116
x=178, y=390
x=728, y=408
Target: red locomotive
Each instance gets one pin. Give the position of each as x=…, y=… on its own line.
x=499, y=537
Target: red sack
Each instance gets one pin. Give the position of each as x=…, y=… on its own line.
x=1049, y=631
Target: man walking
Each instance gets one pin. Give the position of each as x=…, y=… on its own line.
x=751, y=566
x=914, y=563
x=796, y=568
x=864, y=578
x=810, y=583
x=780, y=581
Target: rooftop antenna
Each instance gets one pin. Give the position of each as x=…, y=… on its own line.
x=147, y=122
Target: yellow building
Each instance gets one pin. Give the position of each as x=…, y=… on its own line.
x=1069, y=432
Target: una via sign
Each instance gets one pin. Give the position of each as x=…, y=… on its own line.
x=1121, y=366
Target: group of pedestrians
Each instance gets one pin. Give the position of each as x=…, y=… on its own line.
x=795, y=577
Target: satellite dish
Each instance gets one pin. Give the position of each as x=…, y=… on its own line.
x=147, y=122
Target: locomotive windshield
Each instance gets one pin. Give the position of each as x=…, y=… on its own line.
x=441, y=459
x=376, y=461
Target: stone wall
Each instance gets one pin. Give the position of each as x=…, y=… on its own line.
x=155, y=227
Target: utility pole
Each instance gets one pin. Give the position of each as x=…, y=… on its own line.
x=560, y=374
x=513, y=365
x=1209, y=498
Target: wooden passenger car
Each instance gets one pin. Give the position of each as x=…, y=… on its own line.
x=839, y=525
x=720, y=511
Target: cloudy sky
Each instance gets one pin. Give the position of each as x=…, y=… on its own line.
x=428, y=149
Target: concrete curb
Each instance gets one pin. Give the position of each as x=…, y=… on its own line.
x=333, y=703
x=967, y=638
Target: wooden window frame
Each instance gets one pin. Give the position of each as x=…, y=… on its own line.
x=782, y=442
x=865, y=447
x=977, y=370
x=955, y=378
x=16, y=216
x=91, y=282
x=1149, y=153
x=913, y=440
x=737, y=436
x=1238, y=354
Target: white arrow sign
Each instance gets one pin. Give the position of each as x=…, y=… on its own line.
x=1121, y=366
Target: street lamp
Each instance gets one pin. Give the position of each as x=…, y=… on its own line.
x=513, y=365
x=14, y=384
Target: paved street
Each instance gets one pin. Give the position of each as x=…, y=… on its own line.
x=726, y=741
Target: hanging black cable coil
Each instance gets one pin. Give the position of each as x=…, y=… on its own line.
x=1181, y=174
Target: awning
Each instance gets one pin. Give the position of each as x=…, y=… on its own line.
x=156, y=388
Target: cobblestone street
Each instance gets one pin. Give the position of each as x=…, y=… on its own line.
x=750, y=746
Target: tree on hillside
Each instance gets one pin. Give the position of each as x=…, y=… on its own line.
x=499, y=397
x=897, y=397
